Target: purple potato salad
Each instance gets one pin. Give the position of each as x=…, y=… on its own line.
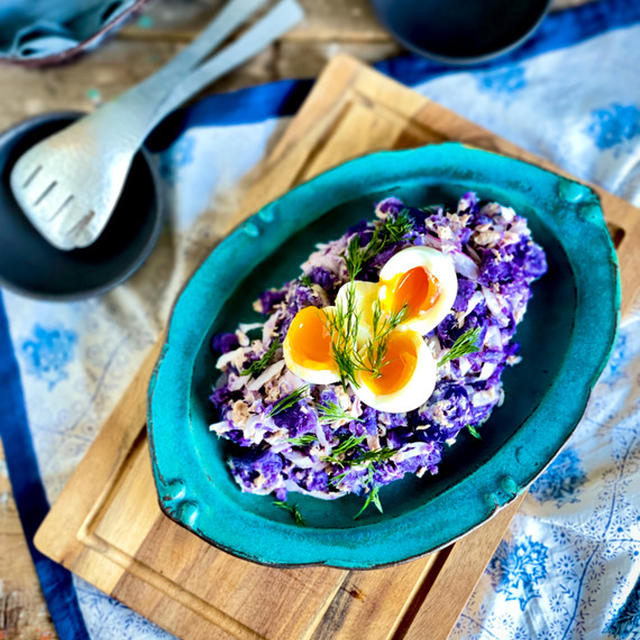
x=317, y=434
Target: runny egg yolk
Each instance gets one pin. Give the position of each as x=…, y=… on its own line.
x=400, y=362
x=310, y=340
x=417, y=288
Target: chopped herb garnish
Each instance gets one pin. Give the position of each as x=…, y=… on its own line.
x=305, y=280
x=376, y=348
x=372, y=497
x=473, y=431
x=343, y=326
x=394, y=229
x=376, y=455
x=343, y=323
x=367, y=458
x=288, y=401
x=464, y=345
x=303, y=440
x=331, y=412
x=294, y=512
x=384, y=234
x=343, y=448
x=258, y=366
x=354, y=257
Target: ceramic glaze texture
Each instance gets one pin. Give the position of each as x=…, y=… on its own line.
x=566, y=338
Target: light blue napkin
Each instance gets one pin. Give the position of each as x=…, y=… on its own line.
x=569, y=567
x=31, y=29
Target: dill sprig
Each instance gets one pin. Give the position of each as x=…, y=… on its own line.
x=394, y=229
x=288, y=401
x=327, y=413
x=294, y=512
x=355, y=256
x=303, y=440
x=464, y=345
x=376, y=347
x=375, y=455
x=343, y=448
x=331, y=412
x=474, y=432
x=258, y=366
x=343, y=326
x=343, y=323
x=372, y=497
x=366, y=458
x=384, y=234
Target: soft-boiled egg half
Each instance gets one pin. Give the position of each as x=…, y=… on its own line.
x=406, y=379
x=420, y=279
x=307, y=348
x=424, y=280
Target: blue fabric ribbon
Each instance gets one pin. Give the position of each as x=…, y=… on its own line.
x=29, y=494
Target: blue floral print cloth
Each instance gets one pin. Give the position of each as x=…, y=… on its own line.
x=569, y=567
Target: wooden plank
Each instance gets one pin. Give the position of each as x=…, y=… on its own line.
x=371, y=604
x=108, y=528
x=23, y=613
x=467, y=557
x=325, y=20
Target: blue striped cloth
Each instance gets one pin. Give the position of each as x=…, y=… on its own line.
x=569, y=566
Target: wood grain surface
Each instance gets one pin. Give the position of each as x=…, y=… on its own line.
x=107, y=526
x=23, y=613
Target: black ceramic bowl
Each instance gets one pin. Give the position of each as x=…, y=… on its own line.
x=30, y=265
x=464, y=31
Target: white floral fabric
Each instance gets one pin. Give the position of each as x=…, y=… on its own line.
x=569, y=566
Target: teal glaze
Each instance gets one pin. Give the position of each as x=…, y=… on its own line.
x=566, y=338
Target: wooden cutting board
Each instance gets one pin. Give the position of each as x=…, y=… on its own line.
x=107, y=526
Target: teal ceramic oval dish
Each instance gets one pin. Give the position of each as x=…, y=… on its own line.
x=566, y=337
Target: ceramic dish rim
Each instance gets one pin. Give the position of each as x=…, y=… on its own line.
x=577, y=197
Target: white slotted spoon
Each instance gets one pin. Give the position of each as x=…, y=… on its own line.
x=69, y=183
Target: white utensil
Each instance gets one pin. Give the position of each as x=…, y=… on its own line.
x=69, y=183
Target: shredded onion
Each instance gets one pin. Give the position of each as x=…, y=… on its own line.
x=465, y=266
x=270, y=372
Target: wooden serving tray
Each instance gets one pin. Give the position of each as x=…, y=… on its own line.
x=107, y=526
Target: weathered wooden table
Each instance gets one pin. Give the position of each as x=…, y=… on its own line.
x=133, y=53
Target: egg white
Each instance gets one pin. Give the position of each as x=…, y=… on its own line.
x=416, y=391
x=314, y=376
x=441, y=266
